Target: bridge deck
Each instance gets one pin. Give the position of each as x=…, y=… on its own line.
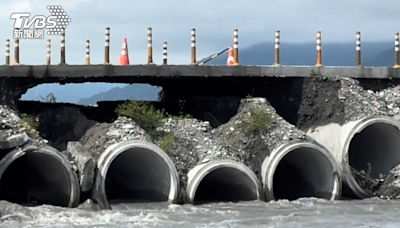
x=177, y=71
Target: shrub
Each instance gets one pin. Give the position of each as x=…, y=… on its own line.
x=30, y=121
x=143, y=113
x=50, y=98
x=167, y=142
x=260, y=120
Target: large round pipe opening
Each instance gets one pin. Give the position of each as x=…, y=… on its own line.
x=302, y=170
x=224, y=181
x=373, y=149
x=35, y=177
x=136, y=171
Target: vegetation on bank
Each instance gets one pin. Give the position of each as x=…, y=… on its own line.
x=143, y=113
x=260, y=120
x=30, y=121
x=149, y=118
x=167, y=142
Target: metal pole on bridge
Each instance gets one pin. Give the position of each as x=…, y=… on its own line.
x=193, y=46
x=107, y=47
x=48, y=52
x=319, y=50
x=277, y=42
x=396, y=50
x=62, y=50
x=16, y=52
x=87, y=52
x=236, y=45
x=165, y=61
x=358, y=49
x=149, y=46
x=7, y=52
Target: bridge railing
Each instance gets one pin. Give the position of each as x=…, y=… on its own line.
x=319, y=62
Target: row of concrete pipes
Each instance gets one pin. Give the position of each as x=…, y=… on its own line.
x=139, y=170
x=193, y=49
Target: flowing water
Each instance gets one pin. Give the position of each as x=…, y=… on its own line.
x=307, y=212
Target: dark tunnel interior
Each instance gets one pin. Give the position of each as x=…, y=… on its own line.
x=36, y=179
x=138, y=175
x=225, y=185
x=375, y=150
x=303, y=172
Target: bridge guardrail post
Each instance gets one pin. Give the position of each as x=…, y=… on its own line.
x=107, y=47
x=149, y=45
x=16, y=52
x=358, y=49
x=277, y=43
x=193, y=46
x=396, y=50
x=319, y=50
x=7, y=52
x=62, y=49
x=48, y=52
x=165, y=55
x=236, y=45
x=87, y=52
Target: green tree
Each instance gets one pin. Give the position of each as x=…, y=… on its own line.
x=50, y=98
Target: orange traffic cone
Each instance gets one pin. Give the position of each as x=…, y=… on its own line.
x=231, y=60
x=124, y=57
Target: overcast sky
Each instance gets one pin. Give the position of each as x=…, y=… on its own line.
x=214, y=21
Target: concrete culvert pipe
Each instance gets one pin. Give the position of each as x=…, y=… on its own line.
x=222, y=181
x=371, y=145
x=36, y=175
x=135, y=171
x=301, y=169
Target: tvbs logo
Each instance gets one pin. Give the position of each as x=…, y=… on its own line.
x=55, y=23
x=39, y=22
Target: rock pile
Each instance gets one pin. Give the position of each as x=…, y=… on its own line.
x=255, y=131
x=103, y=135
x=390, y=187
x=16, y=132
x=194, y=142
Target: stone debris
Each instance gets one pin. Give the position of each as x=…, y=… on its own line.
x=360, y=103
x=252, y=148
x=194, y=143
x=14, y=132
x=14, y=141
x=102, y=135
x=390, y=186
x=85, y=164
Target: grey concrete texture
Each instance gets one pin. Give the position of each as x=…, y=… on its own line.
x=83, y=71
x=85, y=163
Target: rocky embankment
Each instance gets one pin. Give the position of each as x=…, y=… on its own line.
x=248, y=137
x=342, y=100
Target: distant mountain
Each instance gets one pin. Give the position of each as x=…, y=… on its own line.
x=384, y=58
x=70, y=93
x=333, y=54
x=135, y=91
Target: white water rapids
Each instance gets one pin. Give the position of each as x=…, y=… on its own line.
x=307, y=212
